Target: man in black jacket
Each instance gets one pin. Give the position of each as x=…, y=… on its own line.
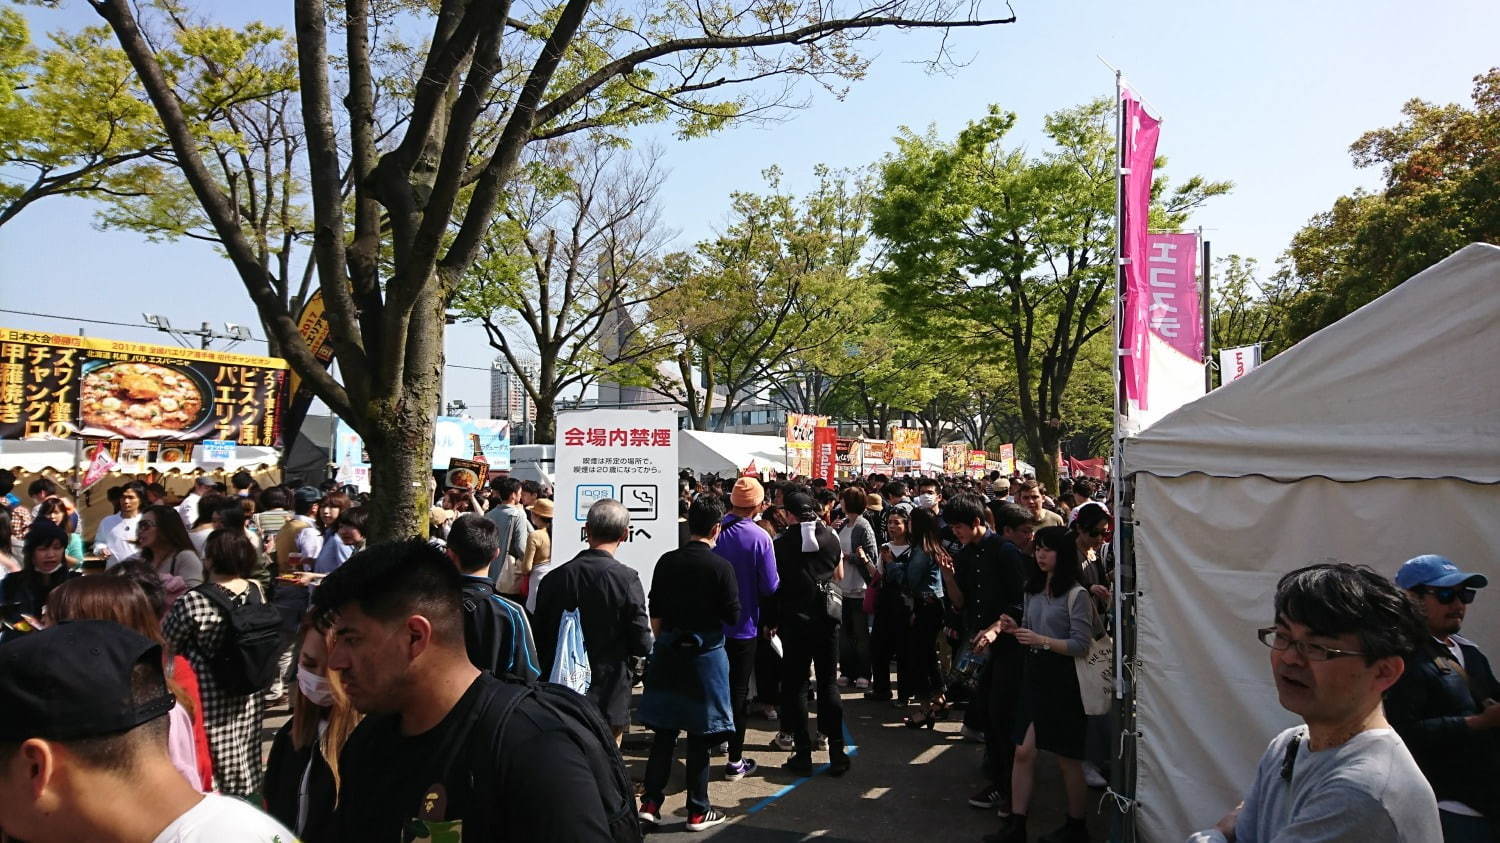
x=611, y=607
x=808, y=558
x=988, y=580
x=1444, y=706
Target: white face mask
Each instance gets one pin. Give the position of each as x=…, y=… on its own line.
x=315, y=688
x=926, y=501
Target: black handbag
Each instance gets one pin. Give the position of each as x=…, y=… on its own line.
x=831, y=601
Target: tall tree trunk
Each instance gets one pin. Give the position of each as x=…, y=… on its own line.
x=398, y=429
x=545, y=430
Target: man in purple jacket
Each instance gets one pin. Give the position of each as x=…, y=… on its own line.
x=748, y=549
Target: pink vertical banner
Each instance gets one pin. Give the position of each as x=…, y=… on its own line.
x=1172, y=303
x=1138, y=138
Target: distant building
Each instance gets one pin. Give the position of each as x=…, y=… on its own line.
x=617, y=334
x=509, y=401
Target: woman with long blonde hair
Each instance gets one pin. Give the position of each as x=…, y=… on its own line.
x=302, y=774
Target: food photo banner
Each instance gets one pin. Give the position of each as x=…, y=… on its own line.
x=60, y=386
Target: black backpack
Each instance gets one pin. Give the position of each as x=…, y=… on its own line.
x=585, y=726
x=247, y=658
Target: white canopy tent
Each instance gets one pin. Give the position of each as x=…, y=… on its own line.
x=1372, y=441
x=727, y=454
x=39, y=456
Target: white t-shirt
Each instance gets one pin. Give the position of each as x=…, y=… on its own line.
x=117, y=533
x=188, y=509
x=223, y=819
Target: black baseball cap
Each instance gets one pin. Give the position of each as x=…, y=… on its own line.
x=73, y=681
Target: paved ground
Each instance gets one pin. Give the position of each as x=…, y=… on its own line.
x=905, y=785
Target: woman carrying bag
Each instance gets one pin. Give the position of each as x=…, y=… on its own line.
x=1056, y=627
x=922, y=588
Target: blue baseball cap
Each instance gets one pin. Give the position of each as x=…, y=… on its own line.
x=1431, y=569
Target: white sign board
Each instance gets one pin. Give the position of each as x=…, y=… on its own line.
x=1235, y=363
x=629, y=456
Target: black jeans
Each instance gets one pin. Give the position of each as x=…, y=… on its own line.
x=1002, y=692
x=812, y=643
x=921, y=678
x=767, y=674
x=888, y=641
x=659, y=769
x=854, y=640
x=741, y=654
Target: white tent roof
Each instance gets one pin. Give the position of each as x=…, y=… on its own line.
x=34, y=456
x=726, y=454
x=1405, y=387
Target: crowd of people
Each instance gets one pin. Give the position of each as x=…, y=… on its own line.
x=425, y=678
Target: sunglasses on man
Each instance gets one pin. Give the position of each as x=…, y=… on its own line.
x=1446, y=595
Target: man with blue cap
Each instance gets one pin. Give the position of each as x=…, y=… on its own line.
x=1445, y=706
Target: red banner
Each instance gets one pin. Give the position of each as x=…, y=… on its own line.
x=824, y=461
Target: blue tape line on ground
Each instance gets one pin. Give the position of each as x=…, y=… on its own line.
x=850, y=748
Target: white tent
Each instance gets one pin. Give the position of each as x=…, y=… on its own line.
x=1372, y=441
x=38, y=456
x=727, y=454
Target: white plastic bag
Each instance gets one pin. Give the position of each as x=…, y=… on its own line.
x=571, y=666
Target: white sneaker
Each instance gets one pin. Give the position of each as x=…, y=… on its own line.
x=1093, y=777
x=862, y=684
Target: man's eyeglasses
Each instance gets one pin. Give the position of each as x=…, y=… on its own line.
x=1446, y=595
x=1281, y=642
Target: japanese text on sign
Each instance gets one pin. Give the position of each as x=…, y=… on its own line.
x=618, y=437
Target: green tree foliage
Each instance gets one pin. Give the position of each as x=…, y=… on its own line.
x=564, y=276
x=1014, y=251
x=1441, y=192
x=74, y=120
x=783, y=283
x=1246, y=309
x=410, y=150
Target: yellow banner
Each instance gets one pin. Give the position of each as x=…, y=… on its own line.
x=64, y=386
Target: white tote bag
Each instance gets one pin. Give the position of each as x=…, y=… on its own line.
x=570, y=668
x=1096, y=668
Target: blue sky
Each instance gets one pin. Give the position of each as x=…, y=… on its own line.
x=1268, y=95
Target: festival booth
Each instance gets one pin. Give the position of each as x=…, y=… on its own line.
x=54, y=459
x=727, y=454
x=1372, y=441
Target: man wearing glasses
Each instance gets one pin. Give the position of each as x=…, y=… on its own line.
x=1339, y=642
x=1445, y=707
